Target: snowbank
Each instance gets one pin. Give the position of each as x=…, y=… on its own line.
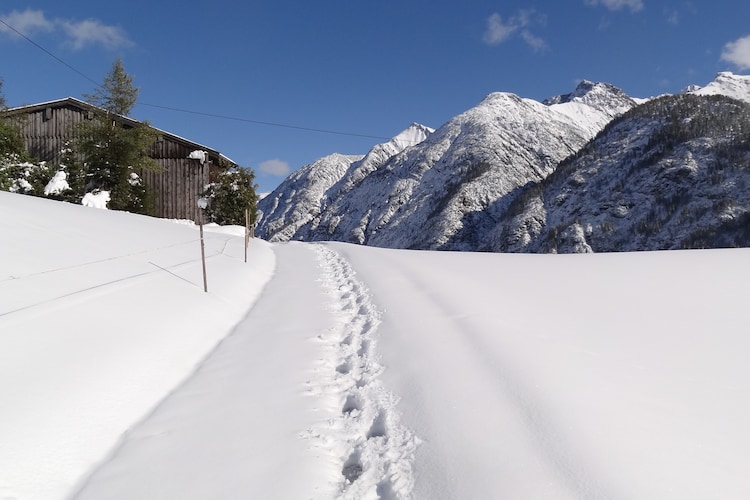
x=96, y=200
x=102, y=314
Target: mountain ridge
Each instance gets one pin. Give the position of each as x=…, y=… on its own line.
x=455, y=187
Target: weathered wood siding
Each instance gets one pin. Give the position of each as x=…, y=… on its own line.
x=176, y=186
x=45, y=132
x=181, y=179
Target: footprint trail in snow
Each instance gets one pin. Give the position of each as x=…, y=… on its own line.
x=376, y=452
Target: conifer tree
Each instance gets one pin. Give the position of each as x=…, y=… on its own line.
x=117, y=94
x=2, y=96
x=115, y=152
x=11, y=143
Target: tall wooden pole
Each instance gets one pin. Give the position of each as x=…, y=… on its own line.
x=247, y=230
x=203, y=256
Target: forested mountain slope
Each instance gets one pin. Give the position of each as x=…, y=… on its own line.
x=671, y=173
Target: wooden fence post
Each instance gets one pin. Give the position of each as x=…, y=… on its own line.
x=247, y=231
x=202, y=204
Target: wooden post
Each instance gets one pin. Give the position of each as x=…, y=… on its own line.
x=247, y=231
x=203, y=257
x=202, y=204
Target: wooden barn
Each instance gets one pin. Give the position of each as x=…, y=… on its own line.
x=47, y=127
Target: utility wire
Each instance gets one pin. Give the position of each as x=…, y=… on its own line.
x=53, y=56
x=223, y=117
x=258, y=122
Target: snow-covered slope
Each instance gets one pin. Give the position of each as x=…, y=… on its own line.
x=608, y=100
x=102, y=314
x=445, y=191
x=361, y=372
x=376, y=158
x=726, y=83
x=427, y=196
x=672, y=173
x=300, y=198
x=297, y=205
x=453, y=190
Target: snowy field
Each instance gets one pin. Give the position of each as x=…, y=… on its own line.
x=336, y=371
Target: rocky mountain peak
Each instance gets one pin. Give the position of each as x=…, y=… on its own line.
x=599, y=95
x=725, y=83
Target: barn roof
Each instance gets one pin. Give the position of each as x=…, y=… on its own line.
x=85, y=106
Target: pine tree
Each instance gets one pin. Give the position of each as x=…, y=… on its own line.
x=2, y=96
x=11, y=143
x=117, y=93
x=114, y=152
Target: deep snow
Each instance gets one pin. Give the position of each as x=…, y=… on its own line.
x=361, y=372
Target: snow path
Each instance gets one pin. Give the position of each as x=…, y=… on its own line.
x=379, y=451
x=257, y=399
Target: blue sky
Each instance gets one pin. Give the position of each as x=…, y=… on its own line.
x=354, y=67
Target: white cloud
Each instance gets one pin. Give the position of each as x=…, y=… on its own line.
x=738, y=53
x=27, y=22
x=499, y=31
x=77, y=34
x=533, y=41
x=275, y=167
x=92, y=32
x=633, y=5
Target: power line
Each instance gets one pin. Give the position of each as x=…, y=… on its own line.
x=32, y=42
x=258, y=122
x=200, y=113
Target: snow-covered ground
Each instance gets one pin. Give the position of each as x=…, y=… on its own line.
x=338, y=371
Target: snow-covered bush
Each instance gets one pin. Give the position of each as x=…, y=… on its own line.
x=18, y=175
x=230, y=196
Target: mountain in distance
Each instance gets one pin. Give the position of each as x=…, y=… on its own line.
x=672, y=173
x=302, y=197
x=592, y=170
x=727, y=84
x=444, y=191
x=284, y=211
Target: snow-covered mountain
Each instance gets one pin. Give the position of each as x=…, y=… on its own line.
x=300, y=198
x=672, y=173
x=446, y=190
x=609, y=100
x=307, y=193
x=725, y=83
x=669, y=173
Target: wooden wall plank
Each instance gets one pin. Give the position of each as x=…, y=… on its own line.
x=176, y=187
